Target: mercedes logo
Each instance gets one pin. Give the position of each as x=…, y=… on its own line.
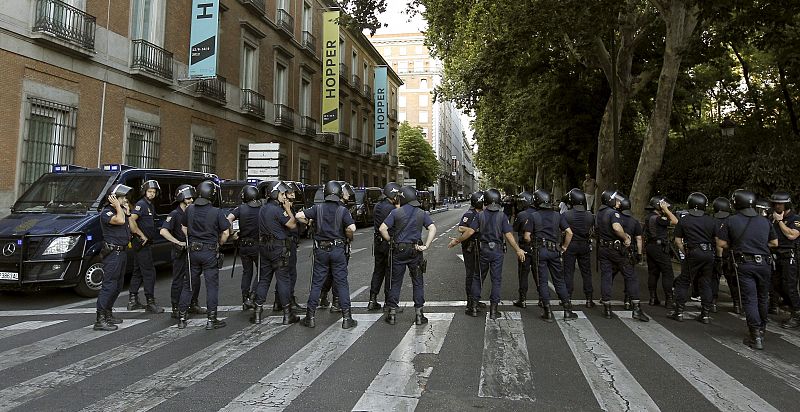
x=9, y=249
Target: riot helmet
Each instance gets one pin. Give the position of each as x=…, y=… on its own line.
x=541, y=199
x=697, y=202
x=525, y=200
x=605, y=198
x=265, y=187
x=150, y=184
x=333, y=191
x=491, y=200
x=613, y=198
x=476, y=200
x=249, y=195
x=185, y=192
x=781, y=201
x=654, y=203
x=625, y=206
x=576, y=199
x=744, y=201
x=120, y=191
x=206, y=192
x=721, y=207
x=391, y=190
x=277, y=187
x=408, y=195
x=762, y=206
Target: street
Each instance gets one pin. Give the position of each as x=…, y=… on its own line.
x=51, y=359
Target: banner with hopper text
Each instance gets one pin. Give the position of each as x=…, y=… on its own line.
x=330, y=72
x=203, y=39
x=381, y=116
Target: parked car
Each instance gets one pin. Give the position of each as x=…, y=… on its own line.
x=52, y=238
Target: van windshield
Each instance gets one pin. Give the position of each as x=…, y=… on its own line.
x=63, y=193
x=230, y=195
x=360, y=196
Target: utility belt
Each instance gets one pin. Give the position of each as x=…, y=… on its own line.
x=705, y=247
x=494, y=245
x=178, y=248
x=784, y=254
x=657, y=242
x=328, y=245
x=378, y=238
x=248, y=242
x=272, y=241
x=198, y=246
x=547, y=244
x=403, y=246
x=750, y=258
x=612, y=244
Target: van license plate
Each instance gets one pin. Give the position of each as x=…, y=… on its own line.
x=9, y=276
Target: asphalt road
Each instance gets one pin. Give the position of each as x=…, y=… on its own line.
x=50, y=360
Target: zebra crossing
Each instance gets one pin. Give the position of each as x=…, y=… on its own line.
x=508, y=370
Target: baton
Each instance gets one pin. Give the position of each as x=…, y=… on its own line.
x=235, y=253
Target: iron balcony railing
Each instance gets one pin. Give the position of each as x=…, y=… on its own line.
x=214, y=89
x=366, y=150
x=342, y=140
x=343, y=72
x=308, y=126
x=309, y=41
x=368, y=91
x=355, y=146
x=152, y=59
x=285, y=21
x=284, y=115
x=356, y=82
x=65, y=22
x=253, y=103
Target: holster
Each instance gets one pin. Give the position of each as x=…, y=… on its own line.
x=105, y=250
x=220, y=259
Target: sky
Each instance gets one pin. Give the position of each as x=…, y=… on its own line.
x=398, y=21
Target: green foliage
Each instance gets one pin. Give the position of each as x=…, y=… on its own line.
x=417, y=155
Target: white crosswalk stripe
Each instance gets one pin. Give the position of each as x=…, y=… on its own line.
x=22, y=327
x=506, y=367
x=781, y=369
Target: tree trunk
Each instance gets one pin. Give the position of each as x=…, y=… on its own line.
x=605, y=144
x=680, y=25
x=751, y=92
x=787, y=99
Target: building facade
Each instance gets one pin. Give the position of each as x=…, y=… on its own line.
x=91, y=82
x=440, y=121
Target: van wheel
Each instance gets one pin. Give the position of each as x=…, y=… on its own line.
x=91, y=279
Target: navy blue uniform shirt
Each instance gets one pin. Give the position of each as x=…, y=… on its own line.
x=520, y=220
x=118, y=235
x=793, y=222
x=581, y=223
x=380, y=211
x=248, y=220
x=605, y=220
x=696, y=229
x=272, y=221
x=631, y=226
x=144, y=211
x=546, y=224
x=405, y=231
x=656, y=227
x=466, y=221
x=206, y=225
x=754, y=240
x=173, y=224
x=325, y=220
x=492, y=226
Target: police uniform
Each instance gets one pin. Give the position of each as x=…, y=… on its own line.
x=247, y=215
x=491, y=226
x=144, y=271
x=204, y=224
x=659, y=263
x=580, y=249
x=381, y=269
x=274, y=253
x=470, y=251
x=523, y=268
x=697, y=232
x=180, y=266
x=407, y=223
x=545, y=226
x=723, y=266
x=115, y=243
x=784, y=278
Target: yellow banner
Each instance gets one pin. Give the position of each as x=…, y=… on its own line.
x=330, y=75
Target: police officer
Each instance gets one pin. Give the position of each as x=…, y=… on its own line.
x=784, y=278
x=542, y=230
x=694, y=237
x=493, y=230
x=659, y=263
x=523, y=267
x=581, y=222
x=143, y=226
x=247, y=238
x=294, y=238
x=206, y=230
x=380, y=247
x=275, y=222
x=614, y=245
x=723, y=266
x=173, y=232
x=347, y=200
x=406, y=224
x=469, y=247
x=116, y=235
x=334, y=229
x=749, y=238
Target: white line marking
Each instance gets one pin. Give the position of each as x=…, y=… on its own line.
x=721, y=389
x=612, y=384
x=22, y=354
x=399, y=385
x=506, y=367
x=74, y=304
x=358, y=291
x=42, y=385
x=777, y=367
x=277, y=390
x=356, y=250
x=168, y=382
x=460, y=256
x=23, y=327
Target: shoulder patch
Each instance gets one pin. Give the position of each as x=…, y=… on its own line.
x=138, y=207
x=110, y=213
x=465, y=219
x=169, y=218
x=616, y=215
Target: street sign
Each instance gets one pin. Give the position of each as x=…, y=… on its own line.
x=410, y=182
x=263, y=161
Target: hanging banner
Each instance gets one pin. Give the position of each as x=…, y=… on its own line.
x=330, y=75
x=203, y=39
x=381, y=117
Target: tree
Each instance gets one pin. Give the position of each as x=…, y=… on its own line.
x=417, y=155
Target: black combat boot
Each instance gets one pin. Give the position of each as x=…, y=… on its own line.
x=152, y=307
x=626, y=303
x=391, y=317
x=212, y=322
x=174, y=314
x=182, y=318
x=547, y=313
x=419, y=317
x=335, y=305
x=289, y=317
x=111, y=318
x=347, y=319
x=677, y=312
x=247, y=303
x=257, y=314
x=704, y=316
x=589, y=301
x=478, y=304
x=568, y=313
x=669, y=300
x=607, y=312
x=133, y=302
x=653, y=299
x=196, y=309
x=755, y=338
x=522, y=302
x=296, y=308
x=637, y=312
x=737, y=309
x=101, y=323
x=373, y=302
x=323, y=301
x=308, y=321
x=540, y=303
x=472, y=308
x=793, y=321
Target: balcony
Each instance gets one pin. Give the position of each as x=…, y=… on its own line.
x=368, y=92
x=285, y=21
x=253, y=103
x=308, y=126
x=284, y=116
x=355, y=146
x=212, y=89
x=309, y=42
x=343, y=72
x=151, y=61
x=256, y=6
x=326, y=138
x=393, y=161
x=64, y=25
x=356, y=82
x=342, y=140
x=366, y=150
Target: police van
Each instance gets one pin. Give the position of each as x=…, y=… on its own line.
x=52, y=238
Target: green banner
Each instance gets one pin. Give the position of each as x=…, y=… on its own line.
x=330, y=75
